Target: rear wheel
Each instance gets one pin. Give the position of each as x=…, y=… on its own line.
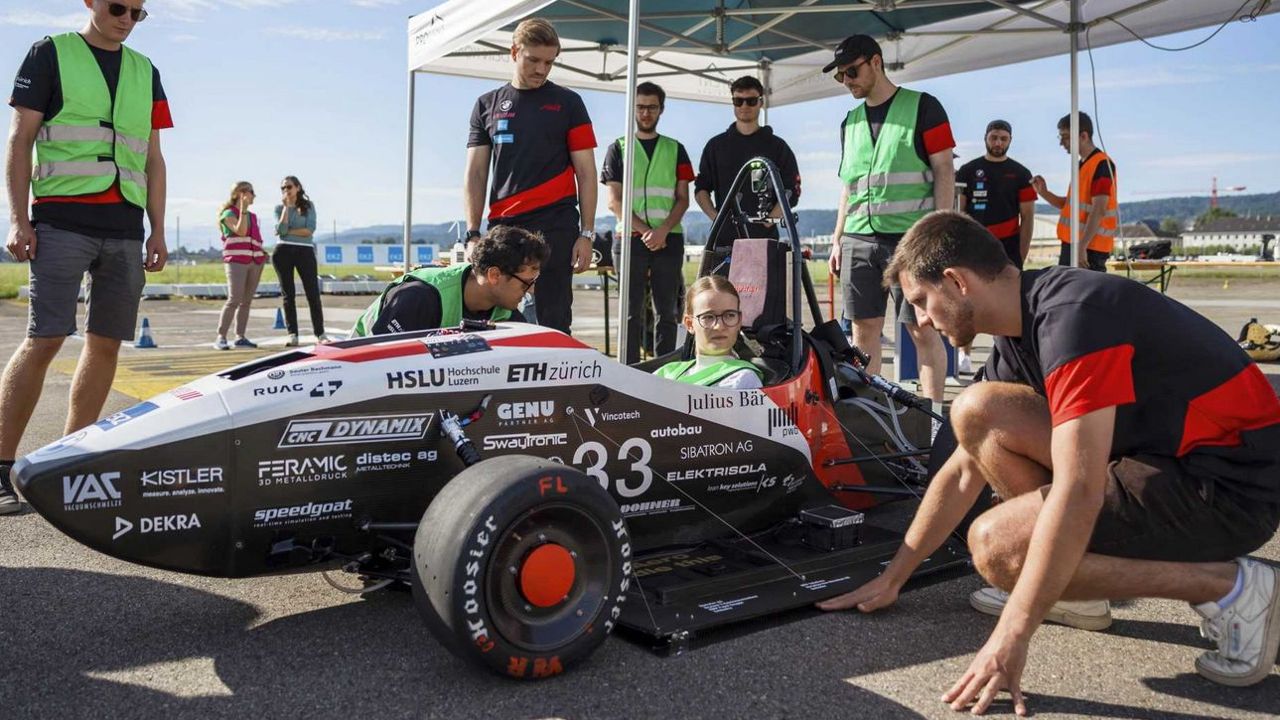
x=521, y=564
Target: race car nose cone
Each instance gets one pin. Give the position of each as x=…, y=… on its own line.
x=547, y=575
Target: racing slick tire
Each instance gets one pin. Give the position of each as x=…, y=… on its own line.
x=521, y=565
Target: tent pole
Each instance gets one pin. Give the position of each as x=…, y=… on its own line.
x=628, y=189
x=408, y=175
x=1075, y=195
x=766, y=79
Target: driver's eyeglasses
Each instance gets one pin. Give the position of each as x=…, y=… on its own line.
x=648, y=108
x=728, y=318
x=118, y=9
x=528, y=284
x=748, y=101
x=851, y=71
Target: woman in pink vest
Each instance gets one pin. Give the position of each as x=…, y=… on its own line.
x=244, y=257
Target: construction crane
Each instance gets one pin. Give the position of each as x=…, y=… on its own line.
x=1213, y=191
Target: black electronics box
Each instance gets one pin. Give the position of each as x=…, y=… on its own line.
x=831, y=527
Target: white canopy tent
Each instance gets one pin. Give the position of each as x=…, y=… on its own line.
x=695, y=48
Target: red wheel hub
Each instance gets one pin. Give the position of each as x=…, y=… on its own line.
x=547, y=575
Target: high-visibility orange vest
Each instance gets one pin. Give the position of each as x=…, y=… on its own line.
x=1104, y=239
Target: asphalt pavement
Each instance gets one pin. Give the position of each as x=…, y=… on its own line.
x=84, y=635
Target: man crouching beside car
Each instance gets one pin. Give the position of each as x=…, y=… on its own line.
x=1123, y=474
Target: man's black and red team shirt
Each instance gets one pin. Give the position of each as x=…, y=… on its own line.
x=994, y=191
x=612, y=168
x=1103, y=176
x=416, y=305
x=933, y=134
x=532, y=133
x=1182, y=388
x=39, y=87
x=726, y=153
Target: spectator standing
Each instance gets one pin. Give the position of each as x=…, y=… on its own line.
x=296, y=250
x=243, y=257
x=531, y=142
x=660, y=197
x=1099, y=211
x=725, y=154
x=998, y=193
x=92, y=109
x=896, y=166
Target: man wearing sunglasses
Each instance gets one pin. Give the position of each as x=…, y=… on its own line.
x=87, y=111
x=896, y=167
x=504, y=266
x=726, y=153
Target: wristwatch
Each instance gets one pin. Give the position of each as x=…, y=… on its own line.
x=471, y=235
x=588, y=234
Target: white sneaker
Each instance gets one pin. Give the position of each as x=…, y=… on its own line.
x=963, y=363
x=1081, y=614
x=9, y=503
x=221, y=344
x=1247, y=631
x=292, y=340
x=324, y=338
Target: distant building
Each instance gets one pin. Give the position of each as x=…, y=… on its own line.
x=1238, y=232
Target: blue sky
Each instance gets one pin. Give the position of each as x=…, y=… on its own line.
x=264, y=88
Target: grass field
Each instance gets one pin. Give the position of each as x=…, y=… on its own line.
x=14, y=275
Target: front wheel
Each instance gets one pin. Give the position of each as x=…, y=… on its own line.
x=521, y=565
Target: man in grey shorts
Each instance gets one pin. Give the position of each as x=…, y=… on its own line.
x=88, y=110
x=896, y=166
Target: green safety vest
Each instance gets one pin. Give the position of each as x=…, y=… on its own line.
x=653, y=183
x=448, y=281
x=75, y=153
x=709, y=375
x=890, y=187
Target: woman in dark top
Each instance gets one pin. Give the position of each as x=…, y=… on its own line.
x=295, y=250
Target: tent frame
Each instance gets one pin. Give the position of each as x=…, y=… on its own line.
x=723, y=46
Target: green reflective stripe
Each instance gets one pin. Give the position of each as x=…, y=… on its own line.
x=92, y=125
x=447, y=281
x=55, y=169
x=707, y=376
x=890, y=187
x=654, y=182
x=893, y=207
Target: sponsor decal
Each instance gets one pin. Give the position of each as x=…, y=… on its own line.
x=714, y=473
x=472, y=597
x=680, y=430
x=667, y=563
x=383, y=461
x=284, y=389
x=312, y=369
x=537, y=412
x=326, y=388
x=751, y=398
x=124, y=416
x=90, y=491
x=300, y=514
x=623, y=415
x=294, y=471
x=524, y=441
x=782, y=421
x=764, y=482
x=554, y=372
x=720, y=606
x=180, y=482
x=505, y=105
x=275, y=374
x=440, y=377
x=157, y=524
x=62, y=444
x=792, y=483
x=709, y=401
x=654, y=507
x=719, y=449
x=186, y=393
x=359, y=429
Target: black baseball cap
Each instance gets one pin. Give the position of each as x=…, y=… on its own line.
x=852, y=48
x=1000, y=125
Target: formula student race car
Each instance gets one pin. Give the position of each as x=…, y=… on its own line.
x=534, y=493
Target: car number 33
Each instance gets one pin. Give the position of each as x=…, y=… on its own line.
x=591, y=456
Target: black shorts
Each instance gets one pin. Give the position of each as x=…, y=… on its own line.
x=1094, y=259
x=863, y=260
x=1155, y=510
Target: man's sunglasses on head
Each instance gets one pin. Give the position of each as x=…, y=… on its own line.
x=118, y=9
x=748, y=101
